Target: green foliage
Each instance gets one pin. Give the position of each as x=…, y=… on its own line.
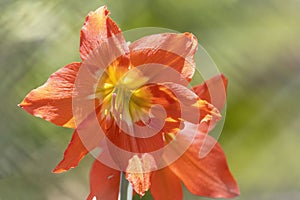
x=147, y=196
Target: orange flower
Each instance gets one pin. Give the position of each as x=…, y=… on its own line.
x=134, y=98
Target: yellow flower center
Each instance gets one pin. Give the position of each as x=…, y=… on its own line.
x=121, y=94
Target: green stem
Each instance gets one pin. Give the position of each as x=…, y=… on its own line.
x=123, y=187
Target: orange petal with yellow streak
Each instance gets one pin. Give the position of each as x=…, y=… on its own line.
x=213, y=91
x=97, y=28
x=53, y=100
x=182, y=104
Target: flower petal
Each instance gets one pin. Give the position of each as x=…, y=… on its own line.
x=98, y=27
x=208, y=176
x=213, y=91
x=73, y=154
x=133, y=144
x=85, y=138
x=138, y=172
x=122, y=146
x=104, y=182
x=168, y=49
x=180, y=103
x=53, y=100
x=165, y=185
x=170, y=115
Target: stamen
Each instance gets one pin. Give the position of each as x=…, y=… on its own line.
x=122, y=99
x=113, y=101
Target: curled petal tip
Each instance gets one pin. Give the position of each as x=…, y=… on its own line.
x=23, y=104
x=190, y=35
x=193, y=39
x=58, y=171
x=103, y=8
x=234, y=191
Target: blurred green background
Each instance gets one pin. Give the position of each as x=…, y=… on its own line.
x=255, y=43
